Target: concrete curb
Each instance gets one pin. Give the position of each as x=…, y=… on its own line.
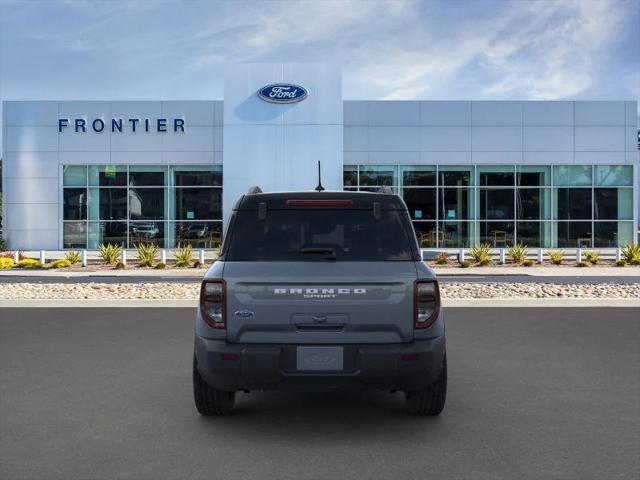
x=447, y=303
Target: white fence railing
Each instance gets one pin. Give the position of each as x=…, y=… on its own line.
x=539, y=255
x=44, y=256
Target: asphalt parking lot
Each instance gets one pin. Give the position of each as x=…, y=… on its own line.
x=106, y=393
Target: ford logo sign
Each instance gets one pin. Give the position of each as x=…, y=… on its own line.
x=283, y=93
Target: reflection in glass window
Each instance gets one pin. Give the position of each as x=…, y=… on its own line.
x=532, y=203
x=197, y=176
x=421, y=202
x=107, y=204
x=107, y=176
x=496, y=176
x=350, y=176
x=371, y=175
x=455, y=176
x=426, y=233
x=74, y=204
x=455, y=204
x=496, y=204
x=454, y=235
x=572, y=175
x=198, y=203
x=74, y=235
x=574, y=234
x=497, y=234
x=107, y=232
x=614, y=175
x=613, y=203
x=533, y=234
x=612, y=234
x=419, y=176
x=147, y=175
x=74, y=176
x=146, y=232
x=573, y=203
x=146, y=203
x=197, y=234
x=533, y=176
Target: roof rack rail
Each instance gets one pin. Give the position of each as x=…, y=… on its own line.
x=254, y=189
x=385, y=189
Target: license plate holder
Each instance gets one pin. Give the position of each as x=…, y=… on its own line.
x=320, y=359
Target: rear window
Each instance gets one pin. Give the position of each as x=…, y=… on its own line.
x=310, y=235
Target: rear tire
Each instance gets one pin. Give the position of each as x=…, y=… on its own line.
x=430, y=401
x=210, y=401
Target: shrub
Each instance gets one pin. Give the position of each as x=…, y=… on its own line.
x=631, y=253
x=10, y=254
x=592, y=256
x=73, y=257
x=6, y=263
x=197, y=264
x=480, y=253
x=518, y=253
x=442, y=258
x=62, y=263
x=582, y=263
x=465, y=263
x=484, y=262
x=528, y=263
x=161, y=266
x=29, y=263
x=621, y=263
x=120, y=266
x=110, y=253
x=147, y=254
x=556, y=256
x=184, y=256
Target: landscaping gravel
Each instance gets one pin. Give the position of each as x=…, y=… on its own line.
x=187, y=291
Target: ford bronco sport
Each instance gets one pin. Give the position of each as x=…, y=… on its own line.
x=317, y=291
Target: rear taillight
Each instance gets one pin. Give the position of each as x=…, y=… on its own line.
x=426, y=301
x=212, y=303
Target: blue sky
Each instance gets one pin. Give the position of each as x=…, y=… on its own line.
x=522, y=49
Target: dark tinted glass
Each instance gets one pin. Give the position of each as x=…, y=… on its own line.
x=530, y=233
x=605, y=234
x=146, y=203
x=377, y=177
x=496, y=179
x=454, y=234
x=350, y=177
x=574, y=203
x=457, y=179
x=426, y=234
x=497, y=234
x=528, y=203
x=531, y=179
x=113, y=203
x=574, y=234
x=418, y=178
x=144, y=179
x=112, y=232
x=421, y=202
x=606, y=203
x=75, y=204
x=198, y=203
x=146, y=232
x=454, y=203
x=496, y=204
x=109, y=177
x=320, y=235
x=198, y=234
x=197, y=179
x=74, y=235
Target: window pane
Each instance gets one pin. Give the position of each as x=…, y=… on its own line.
x=152, y=175
x=426, y=234
x=198, y=203
x=573, y=203
x=496, y=176
x=497, y=234
x=496, y=204
x=456, y=204
x=378, y=175
x=107, y=204
x=421, y=202
x=350, y=176
x=534, y=234
x=612, y=234
x=419, y=176
x=574, y=234
x=454, y=234
x=615, y=175
x=196, y=234
x=74, y=235
x=533, y=176
x=146, y=203
x=455, y=176
x=613, y=203
x=108, y=176
x=533, y=203
x=74, y=176
x=204, y=176
x=75, y=204
x=572, y=175
x=107, y=232
x=146, y=232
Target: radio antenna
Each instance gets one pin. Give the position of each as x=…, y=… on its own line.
x=319, y=188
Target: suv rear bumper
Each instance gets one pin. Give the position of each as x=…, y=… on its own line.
x=230, y=366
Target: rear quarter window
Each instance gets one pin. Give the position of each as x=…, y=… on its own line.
x=310, y=235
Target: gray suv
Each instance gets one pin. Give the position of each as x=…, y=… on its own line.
x=319, y=291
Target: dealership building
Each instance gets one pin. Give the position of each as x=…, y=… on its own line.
x=543, y=173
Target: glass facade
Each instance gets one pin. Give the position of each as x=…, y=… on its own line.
x=551, y=206
x=127, y=205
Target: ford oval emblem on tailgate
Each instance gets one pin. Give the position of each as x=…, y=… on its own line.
x=244, y=313
x=283, y=93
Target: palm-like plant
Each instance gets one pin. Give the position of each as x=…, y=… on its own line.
x=147, y=254
x=110, y=253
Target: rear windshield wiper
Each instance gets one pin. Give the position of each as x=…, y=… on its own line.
x=329, y=252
